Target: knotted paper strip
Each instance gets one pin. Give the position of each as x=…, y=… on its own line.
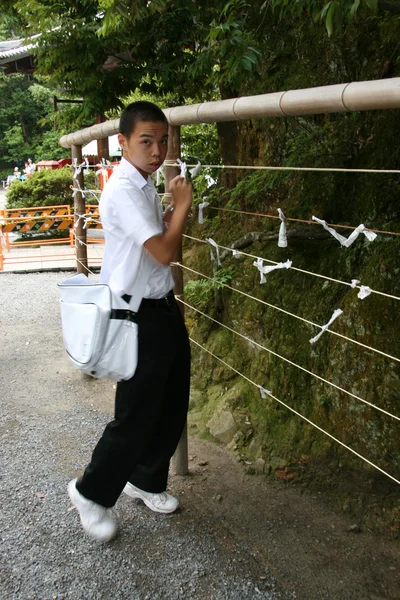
x=202, y=206
x=76, y=190
x=335, y=315
x=212, y=243
x=195, y=171
x=364, y=292
x=236, y=253
x=183, y=168
x=264, y=393
x=78, y=168
x=264, y=270
x=282, y=241
x=346, y=242
x=86, y=219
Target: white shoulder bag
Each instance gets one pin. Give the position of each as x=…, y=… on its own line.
x=100, y=329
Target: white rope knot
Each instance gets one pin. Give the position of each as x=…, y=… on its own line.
x=282, y=240
x=335, y=315
x=264, y=393
x=213, y=243
x=202, y=206
x=346, y=242
x=264, y=270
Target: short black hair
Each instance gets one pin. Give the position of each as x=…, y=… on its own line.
x=139, y=111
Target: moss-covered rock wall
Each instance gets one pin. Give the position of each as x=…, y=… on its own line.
x=268, y=437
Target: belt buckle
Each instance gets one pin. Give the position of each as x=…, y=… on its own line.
x=168, y=300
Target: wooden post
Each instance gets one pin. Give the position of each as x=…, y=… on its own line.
x=180, y=458
x=79, y=209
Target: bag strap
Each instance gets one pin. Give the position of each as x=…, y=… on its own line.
x=140, y=285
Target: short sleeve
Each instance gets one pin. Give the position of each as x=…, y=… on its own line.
x=134, y=213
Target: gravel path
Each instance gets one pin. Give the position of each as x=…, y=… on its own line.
x=49, y=421
x=236, y=537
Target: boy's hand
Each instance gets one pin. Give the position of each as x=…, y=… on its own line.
x=181, y=191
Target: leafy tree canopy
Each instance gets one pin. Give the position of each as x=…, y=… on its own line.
x=27, y=121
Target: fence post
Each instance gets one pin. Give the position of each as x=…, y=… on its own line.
x=180, y=458
x=79, y=209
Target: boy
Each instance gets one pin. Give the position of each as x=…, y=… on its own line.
x=134, y=451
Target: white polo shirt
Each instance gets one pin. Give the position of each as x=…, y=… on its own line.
x=131, y=213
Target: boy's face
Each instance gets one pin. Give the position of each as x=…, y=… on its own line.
x=146, y=147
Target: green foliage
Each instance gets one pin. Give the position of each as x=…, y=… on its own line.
x=333, y=13
x=200, y=292
x=45, y=188
x=222, y=277
x=26, y=121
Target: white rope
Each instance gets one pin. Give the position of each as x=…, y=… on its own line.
x=85, y=267
x=85, y=191
x=286, y=312
x=172, y=163
x=296, y=268
x=268, y=393
x=292, y=363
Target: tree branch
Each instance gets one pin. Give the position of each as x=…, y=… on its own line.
x=298, y=233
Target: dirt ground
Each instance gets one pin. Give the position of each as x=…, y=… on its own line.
x=266, y=526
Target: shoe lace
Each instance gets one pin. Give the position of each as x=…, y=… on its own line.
x=162, y=497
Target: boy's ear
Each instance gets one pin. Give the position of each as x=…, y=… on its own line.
x=121, y=140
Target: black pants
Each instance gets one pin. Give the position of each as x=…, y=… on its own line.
x=150, y=410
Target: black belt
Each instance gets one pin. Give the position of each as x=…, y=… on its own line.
x=168, y=300
x=153, y=302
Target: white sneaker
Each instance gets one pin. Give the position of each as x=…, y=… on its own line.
x=161, y=503
x=96, y=520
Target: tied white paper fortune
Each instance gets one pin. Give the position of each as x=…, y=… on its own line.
x=335, y=315
x=212, y=243
x=346, y=242
x=236, y=253
x=86, y=219
x=365, y=290
x=78, y=168
x=183, y=168
x=78, y=190
x=264, y=270
x=195, y=170
x=104, y=165
x=264, y=393
x=160, y=172
x=282, y=240
x=202, y=206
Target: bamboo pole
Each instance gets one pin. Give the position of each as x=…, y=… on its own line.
x=79, y=209
x=342, y=97
x=180, y=458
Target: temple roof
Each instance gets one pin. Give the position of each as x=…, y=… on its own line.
x=12, y=50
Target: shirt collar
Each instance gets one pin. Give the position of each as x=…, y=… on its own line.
x=133, y=174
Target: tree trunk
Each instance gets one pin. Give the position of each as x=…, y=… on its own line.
x=102, y=145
